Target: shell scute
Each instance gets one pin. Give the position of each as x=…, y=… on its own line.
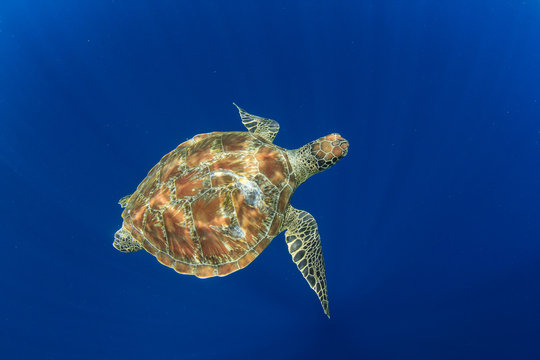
x=165, y=259
x=203, y=151
x=149, y=247
x=205, y=271
x=238, y=164
x=160, y=198
x=276, y=225
x=221, y=178
x=237, y=141
x=136, y=215
x=153, y=230
x=190, y=184
x=226, y=269
x=263, y=244
x=247, y=259
x=183, y=268
x=178, y=226
x=284, y=199
x=271, y=165
x=172, y=166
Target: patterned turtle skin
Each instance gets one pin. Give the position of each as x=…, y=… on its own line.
x=213, y=204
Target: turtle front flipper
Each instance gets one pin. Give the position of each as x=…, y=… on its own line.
x=266, y=128
x=304, y=245
x=124, y=242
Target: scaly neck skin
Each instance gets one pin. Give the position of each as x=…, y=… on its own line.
x=317, y=156
x=301, y=165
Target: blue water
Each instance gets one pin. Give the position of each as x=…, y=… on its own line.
x=430, y=226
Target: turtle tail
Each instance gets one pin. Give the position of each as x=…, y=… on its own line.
x=123, y=201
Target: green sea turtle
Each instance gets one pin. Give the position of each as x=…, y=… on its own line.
x=214, y=203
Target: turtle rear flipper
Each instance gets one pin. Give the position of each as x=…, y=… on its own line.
x=124, y=242
x=304, y=244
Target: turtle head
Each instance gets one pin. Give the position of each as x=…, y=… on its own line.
x=328, y=150
x=317, y=156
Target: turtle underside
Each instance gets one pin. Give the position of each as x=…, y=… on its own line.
x=213, y=204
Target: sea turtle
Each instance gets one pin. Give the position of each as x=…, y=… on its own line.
x=214, y=203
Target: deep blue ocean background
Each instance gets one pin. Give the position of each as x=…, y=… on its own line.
x=430, y=226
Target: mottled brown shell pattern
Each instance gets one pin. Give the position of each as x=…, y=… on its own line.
x=213, y=204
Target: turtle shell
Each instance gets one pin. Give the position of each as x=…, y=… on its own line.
x=213, y=204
